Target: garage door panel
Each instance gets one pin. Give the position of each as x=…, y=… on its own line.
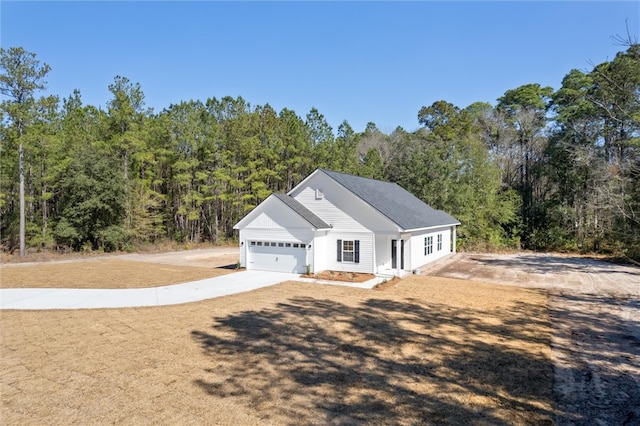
x=279, y=258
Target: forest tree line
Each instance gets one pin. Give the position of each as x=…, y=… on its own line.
x=541, y=169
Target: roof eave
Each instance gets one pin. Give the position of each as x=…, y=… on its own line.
x=432, y=227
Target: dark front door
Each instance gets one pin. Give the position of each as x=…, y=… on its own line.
x=394, y=257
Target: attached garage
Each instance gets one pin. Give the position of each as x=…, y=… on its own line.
x=277, y=256
x=278, y=235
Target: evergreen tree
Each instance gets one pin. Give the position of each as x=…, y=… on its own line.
x=20, y=77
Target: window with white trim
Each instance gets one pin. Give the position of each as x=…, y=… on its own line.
x=428, y=245
x=439, y=242
x=349, y=251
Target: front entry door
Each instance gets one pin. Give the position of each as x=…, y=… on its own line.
x=394, y=257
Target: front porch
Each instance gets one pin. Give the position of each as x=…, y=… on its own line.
x=392, y=255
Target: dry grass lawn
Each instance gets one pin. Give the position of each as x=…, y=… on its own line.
x=102, y=273
x=423, y=351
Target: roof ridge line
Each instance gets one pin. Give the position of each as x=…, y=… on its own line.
x=358, y=176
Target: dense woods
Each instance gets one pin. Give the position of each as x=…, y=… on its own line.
x=540, y=169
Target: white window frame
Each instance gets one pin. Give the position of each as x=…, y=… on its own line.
x=346, y=253
x=439, y=242
x=428, y=245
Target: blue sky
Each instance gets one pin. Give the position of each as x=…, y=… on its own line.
x=354, y=61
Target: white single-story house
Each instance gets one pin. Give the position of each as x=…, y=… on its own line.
x=339, y=222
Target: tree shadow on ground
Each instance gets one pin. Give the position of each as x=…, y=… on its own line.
x=597, y=376
x=381, y=361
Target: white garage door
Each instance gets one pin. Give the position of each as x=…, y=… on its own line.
x=277, y=256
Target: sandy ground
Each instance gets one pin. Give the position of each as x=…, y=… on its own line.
x=594, y=308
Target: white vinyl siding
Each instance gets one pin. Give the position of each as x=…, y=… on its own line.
x=424, y=252
x=339, y=207
x=365, y=252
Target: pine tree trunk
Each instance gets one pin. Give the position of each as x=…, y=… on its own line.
x=22, y=219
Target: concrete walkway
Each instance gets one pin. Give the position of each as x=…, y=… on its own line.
x=67, y=298
x=72, y=298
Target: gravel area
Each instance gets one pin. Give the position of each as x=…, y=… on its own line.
x=594, y=307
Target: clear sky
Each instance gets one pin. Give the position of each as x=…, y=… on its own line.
x=354, y=61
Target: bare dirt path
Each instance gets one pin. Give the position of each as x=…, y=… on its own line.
x=213, y=256
x=594, y=307
x=124, y=271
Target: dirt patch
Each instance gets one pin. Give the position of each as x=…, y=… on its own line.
x=387, y=284
x=584, y=275
x=595, y=316
x=428, y=351
x=350, y=277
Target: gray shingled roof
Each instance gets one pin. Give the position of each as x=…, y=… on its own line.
x=304, y=212
x=393, y=201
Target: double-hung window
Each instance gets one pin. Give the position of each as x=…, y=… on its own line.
x=349, y=251
x=439, y=242
x=428, y=245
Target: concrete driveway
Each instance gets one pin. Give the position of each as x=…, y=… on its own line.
x=66, y=298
